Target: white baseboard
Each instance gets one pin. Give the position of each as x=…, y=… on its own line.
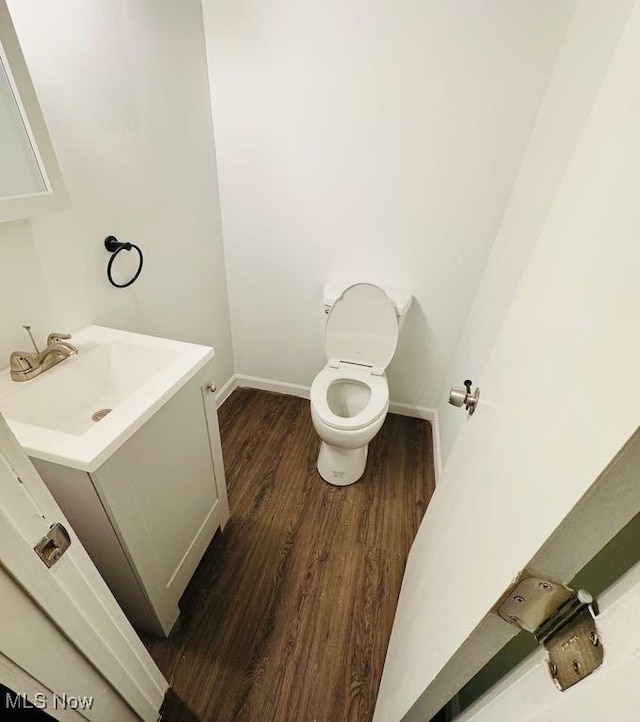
x=437, y=455
x=418, y=412
x=223, y=393
x=304, y=392
x=279, y=387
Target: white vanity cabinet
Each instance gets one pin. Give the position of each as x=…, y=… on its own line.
x=148, y=513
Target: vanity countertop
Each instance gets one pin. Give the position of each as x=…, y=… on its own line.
x=132, y=375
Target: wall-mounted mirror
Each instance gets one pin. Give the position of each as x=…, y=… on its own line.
x=30, y=180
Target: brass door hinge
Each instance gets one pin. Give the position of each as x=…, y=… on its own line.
x=562, y=621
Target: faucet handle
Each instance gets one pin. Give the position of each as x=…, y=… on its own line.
x=22, y=361
x=57, y=337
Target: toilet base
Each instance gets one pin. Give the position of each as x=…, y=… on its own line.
x=341, y=467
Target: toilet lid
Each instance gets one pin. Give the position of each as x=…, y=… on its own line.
x=362, y=328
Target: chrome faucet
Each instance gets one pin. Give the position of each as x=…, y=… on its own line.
x=26, y=365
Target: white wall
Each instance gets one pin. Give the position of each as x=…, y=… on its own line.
x=585, y=56
x=375, y=140
x=124, y=90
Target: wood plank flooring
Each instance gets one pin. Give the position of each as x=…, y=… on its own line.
x=288, y=616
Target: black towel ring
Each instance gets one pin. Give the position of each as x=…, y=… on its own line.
x=113, y=245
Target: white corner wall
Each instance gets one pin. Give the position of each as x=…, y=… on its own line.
x=375, y=141
x=582, y=64
x=124, y=89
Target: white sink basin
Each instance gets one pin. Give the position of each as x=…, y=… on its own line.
x=131, y=374
x=66, y=397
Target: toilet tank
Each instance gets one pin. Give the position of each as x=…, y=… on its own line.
x=401, y=300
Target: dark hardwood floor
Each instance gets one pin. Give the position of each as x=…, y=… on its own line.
x=288, y=616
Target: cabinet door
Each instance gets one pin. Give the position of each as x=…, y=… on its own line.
x=161, y=494
x=211, y=413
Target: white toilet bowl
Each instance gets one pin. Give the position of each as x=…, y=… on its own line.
x=350, y=396
x=348, y=407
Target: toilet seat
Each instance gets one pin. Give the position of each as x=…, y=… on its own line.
x=377, y=405
x=362, y=328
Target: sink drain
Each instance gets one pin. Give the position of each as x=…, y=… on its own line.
x=99, y=415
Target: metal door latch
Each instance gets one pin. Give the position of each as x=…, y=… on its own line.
x=462, y=396
x=51, y=547
x=562, y=621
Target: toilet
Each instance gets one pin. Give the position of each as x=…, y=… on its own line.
x=350, y=396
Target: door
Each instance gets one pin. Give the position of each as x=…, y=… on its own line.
x=61, y=626
x=533, y=481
